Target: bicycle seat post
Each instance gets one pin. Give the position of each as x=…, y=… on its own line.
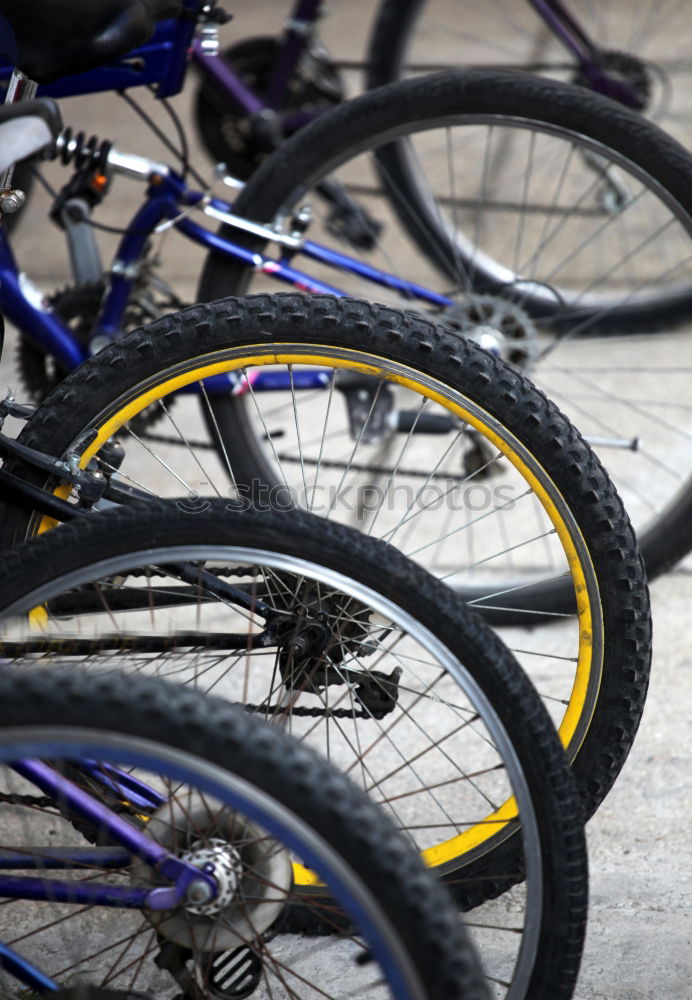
x=20, y=88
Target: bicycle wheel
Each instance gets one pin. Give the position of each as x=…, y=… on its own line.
x=342, y=642
x=638, y=44
x=581, y=215
x=550, y=522
x=231, y=796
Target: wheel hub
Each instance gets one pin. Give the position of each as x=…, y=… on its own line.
x=253, y=872
x=224, y=862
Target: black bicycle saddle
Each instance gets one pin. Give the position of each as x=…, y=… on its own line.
x=53, y=38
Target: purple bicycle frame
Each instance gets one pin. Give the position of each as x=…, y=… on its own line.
x=162, y=62
x=566, y=28
x=131, y=841
x=291, y=47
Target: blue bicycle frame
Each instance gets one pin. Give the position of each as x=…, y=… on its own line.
x=167, y=197
x=162, y=63
x=128, y=842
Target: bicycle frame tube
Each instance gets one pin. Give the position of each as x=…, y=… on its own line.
x=134, y=841
x=567, y=29
x=289, y=51
x=564, y=26
x=40, y=326
x=126, y=785
x=161, y=203
x=175, y=189
x=299, y=29
x=223, y=75
x=25, y=972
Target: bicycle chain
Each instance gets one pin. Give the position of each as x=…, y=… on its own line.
x=215, y=571
x=14, y=799
x=311, y=713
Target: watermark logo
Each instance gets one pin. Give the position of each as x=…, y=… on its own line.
x=193, y=503
x=363, y=500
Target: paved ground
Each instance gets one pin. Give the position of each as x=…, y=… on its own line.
x=640, y=841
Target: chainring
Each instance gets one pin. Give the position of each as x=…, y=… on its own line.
x=228, y=135
x=627, y=69
x=498, y=325
x=78, y=308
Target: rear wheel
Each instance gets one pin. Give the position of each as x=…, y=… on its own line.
x=636, y=44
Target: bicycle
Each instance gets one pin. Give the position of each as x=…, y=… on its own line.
x=514, y=313
x=148, y=841
x=329, y=635
x=352, y=650
x=582, y=519
x=614, y=50
x=580, y=556
x=550, y=473
x=266, y=88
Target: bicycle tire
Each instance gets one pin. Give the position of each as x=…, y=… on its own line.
x=642, y=439
x=507, y=710
x=376, y=116
x=611, y=647
x=244, y=764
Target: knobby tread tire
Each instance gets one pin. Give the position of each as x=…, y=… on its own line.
x=273, y=189
x=558, y=810
x=284, y=769
x=415, y=341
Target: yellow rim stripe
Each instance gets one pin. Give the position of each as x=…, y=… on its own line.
x=474, y=837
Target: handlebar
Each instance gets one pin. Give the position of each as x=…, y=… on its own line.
x=25, y=129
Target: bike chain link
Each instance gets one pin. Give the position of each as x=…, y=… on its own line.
x=14, y=799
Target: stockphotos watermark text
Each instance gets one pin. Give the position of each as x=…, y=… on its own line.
x=363, y=500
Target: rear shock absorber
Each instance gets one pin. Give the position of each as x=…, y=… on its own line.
x=73, y=208
x=74, y=148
